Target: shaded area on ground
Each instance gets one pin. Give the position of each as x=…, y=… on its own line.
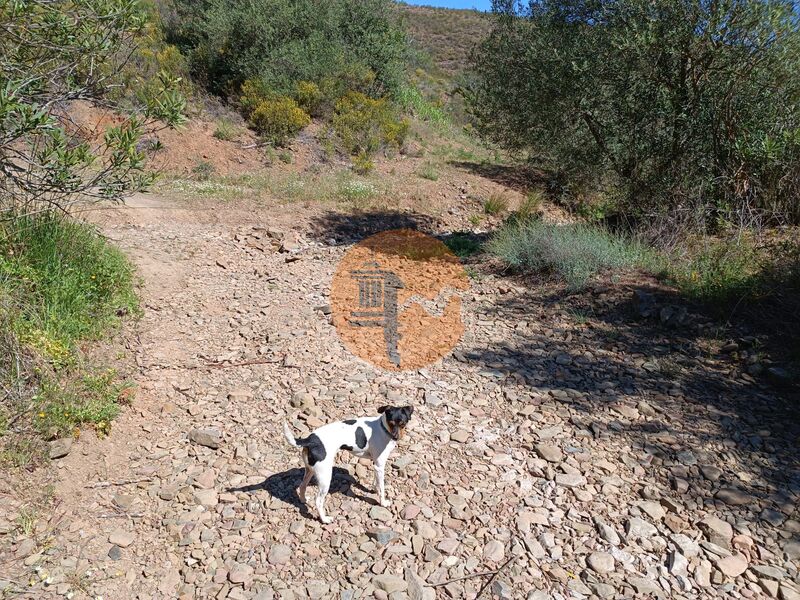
x=340, y=229
x=519, y=177
x=610, y=365
x=284, y=486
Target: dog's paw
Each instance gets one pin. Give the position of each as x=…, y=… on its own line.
x=386, y=503
x=326, y=520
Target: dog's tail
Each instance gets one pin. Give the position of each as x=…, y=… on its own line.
x=288, y=433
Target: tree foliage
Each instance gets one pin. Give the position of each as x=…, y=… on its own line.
x=653, y=104
x=53, y=53
x=282, y=42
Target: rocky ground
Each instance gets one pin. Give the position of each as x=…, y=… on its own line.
x=576, y=446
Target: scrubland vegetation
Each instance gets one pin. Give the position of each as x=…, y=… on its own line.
x=672, y=124
x=283, y=63
x=61, y=284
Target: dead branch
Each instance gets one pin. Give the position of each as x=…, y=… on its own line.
x=103, y=484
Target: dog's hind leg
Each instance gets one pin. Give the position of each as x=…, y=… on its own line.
x=301, y=491
x=324, y=472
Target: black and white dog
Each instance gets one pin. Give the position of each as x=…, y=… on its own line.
x=373, y=437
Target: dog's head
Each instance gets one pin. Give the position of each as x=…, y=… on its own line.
x=397, y=417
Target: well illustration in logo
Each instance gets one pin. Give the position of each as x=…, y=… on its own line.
x=395, y=302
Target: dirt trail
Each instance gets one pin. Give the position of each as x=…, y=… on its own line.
x=585, y=455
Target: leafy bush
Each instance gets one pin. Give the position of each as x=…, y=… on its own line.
x=60, y=284
x=60, y=52
x=574, y=252
x=412, y=100
x=252, y=93
x=279, y=119
x=362, y=164
x=364, y=124
x=148, y=59
x=661, y=103
x=282, y=42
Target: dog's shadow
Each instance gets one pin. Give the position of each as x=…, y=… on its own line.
x=284, y=487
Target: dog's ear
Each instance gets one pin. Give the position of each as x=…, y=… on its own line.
x=409, y=410
x=383, y=409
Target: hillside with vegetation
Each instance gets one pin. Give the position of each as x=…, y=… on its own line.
x=180, y=183
x=441, y=42
x=446, y=36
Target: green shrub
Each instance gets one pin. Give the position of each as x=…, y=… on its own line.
x=309, y=97
x=60, y=52
x=225, y=130
x=428, y=171
x=252, y=93
x=463, y=243
x=139, y=80
x=574, y=252
x=666, y=104
x=720, y=271
x=495, y=204
x=596, y=208
x=61, y=284
x=144, y=77
x=364, y=124
x=69, y=284
x=279, y=120
x=362, y=163
x=411, y=99
x=530, y=207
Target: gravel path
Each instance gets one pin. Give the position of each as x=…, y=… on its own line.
x=581, y=451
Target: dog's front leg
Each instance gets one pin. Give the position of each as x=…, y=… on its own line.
x=379, y=485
